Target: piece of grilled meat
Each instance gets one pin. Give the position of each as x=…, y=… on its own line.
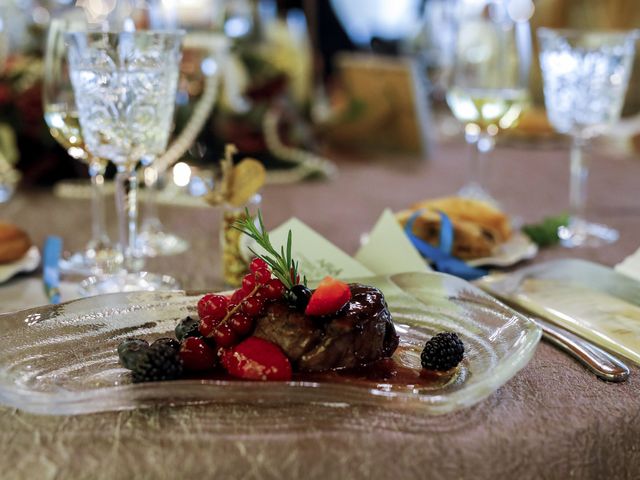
x=361, y=333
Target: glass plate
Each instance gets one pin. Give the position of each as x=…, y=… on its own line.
x=61, y=359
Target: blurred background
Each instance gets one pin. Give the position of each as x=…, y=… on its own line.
x=299, y=80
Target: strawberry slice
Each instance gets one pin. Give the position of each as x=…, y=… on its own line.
x=257, y=359
x=330, y=296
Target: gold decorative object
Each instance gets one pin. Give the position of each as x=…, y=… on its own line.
x=237, y=189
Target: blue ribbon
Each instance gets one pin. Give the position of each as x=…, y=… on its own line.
x=51, y=271
x=441, y=256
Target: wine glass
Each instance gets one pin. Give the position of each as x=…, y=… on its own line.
x=61, y=116
x=202, y=43
x=585, y=76
x=125, y=87
x=488, y=88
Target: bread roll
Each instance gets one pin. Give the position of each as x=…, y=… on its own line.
x=470, y=240
x=14, y=243
x=474, y=211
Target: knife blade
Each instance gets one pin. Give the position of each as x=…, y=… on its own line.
x=603, y=364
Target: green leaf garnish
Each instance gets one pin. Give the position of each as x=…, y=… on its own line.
x=545, y=233
x=281, y=264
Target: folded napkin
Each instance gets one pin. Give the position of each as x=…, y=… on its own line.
x=630, y=266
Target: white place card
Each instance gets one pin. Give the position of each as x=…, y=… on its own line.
x=318, y=257
x=388, y=250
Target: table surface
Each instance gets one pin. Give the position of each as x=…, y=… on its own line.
x=552, y=420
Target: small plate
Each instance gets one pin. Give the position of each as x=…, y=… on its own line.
x=61, y=359
x=28, y=263
x=518, y=248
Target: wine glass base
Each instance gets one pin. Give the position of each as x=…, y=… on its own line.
x=476, y=192
x=587, y=235
x=90, y=262
x=155, y=244
x=127, y=282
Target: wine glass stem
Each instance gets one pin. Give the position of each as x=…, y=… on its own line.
x=151, y=218
x=99, y=235
x=127, y=209
x=482, y=147
x=578, y=182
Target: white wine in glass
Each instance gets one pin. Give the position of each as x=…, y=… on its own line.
x=125, y=88
x=485, y=107
x=488, y=88
x=60, y=114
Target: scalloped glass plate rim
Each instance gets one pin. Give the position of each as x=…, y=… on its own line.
x=132, y=396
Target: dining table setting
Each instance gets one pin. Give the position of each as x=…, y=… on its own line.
x=228, y=252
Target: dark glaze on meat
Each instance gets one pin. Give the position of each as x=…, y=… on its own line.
x=360, y=334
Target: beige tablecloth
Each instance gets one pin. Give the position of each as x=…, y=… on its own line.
x=554, y=420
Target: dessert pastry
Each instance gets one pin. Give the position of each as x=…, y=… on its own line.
x=478, y=227
x=14, y=243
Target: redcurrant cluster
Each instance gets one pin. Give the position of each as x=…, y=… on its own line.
x=226, y=320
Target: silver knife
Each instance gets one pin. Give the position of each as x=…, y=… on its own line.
x=603, y=364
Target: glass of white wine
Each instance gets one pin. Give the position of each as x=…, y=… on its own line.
x=488, y=88
x=61, y=116
x=125, y=90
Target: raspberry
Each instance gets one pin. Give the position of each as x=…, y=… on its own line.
x=196, y=355
x=212, y=305
x=257, y=264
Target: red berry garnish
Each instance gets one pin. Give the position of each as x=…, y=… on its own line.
x=257, y=264
x=207, y=325
x=262, y=276
x=196, y=355
x=273, y=289
x=248, y=282
x=257, y=359
x=224, y=335
x=330, y=296
x=240, y=323
x=253, y=306
x=212, y=305
x=238, y=296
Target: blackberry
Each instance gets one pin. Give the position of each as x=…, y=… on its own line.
x=442, y=352
x=172, y=342
x=159, y=362
x=298, y=297
x=130, y=350
x=187, y=327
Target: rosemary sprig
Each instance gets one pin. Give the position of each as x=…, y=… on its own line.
x=282, y=264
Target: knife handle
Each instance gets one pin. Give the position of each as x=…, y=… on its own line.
x=602, y=363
